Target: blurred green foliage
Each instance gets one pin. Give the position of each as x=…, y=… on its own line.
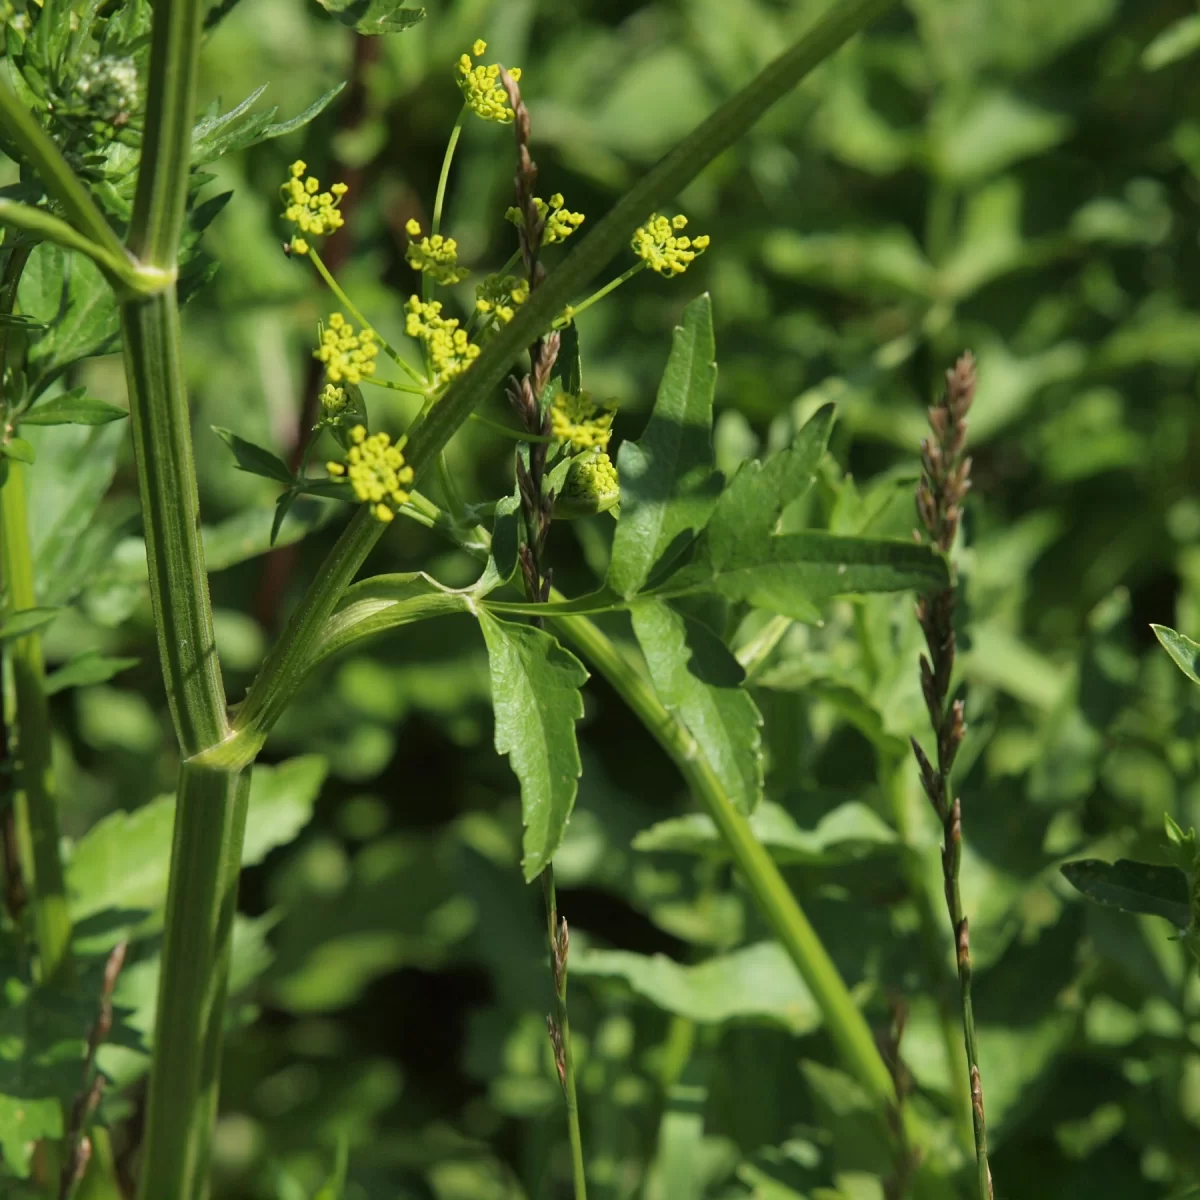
x=1019, y=177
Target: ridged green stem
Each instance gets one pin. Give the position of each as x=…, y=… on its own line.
x=162, y=443
x=210, y=820
x=36, y=816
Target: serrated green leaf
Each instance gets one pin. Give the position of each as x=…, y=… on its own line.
x=697, y=677
x=85, y=669
x=751, y=504
x=536, y=699
x=793, y=574
x=757, y=982
x=1184, y=652
x=1134, y=887
x=849, y=833
x=117, y=877
x=26, y=620
x=668, y=485
x=372, y=17
x=253, y=459
x=75, y=407
x=18, y=449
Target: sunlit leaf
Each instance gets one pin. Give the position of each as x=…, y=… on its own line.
x=1184, y=652
x=536, y=698
x=668, y=485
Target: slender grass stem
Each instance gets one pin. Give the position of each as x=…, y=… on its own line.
x=34, y=810
x=941, y=492
x=560, y=1030
x=894, y=781
x=353, y=310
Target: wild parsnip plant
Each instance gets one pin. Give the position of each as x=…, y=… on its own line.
x=105, y=215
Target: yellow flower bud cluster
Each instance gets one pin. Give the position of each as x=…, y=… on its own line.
x=311, y=210
x=662, y=244
x=375, y=470
x=581, y=422
x=451, y=352
x=346, y=354
x=333, y=399
x=499, y=297
x=592, y=486
x=561, y=222
x=481, y=87
x=437, y=255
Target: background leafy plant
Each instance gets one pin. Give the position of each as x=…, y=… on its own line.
x=1014, y=179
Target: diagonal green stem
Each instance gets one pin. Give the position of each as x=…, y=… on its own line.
x=36, y=816
x=845, y=1023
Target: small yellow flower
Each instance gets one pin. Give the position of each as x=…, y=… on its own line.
x=481, y=87
x=437, y=256
x=662, y=245
x=346, y=354
x=581, y=422
x=376, y=470
x=592, y=486
x=451, y=352
x=310, y=210
x=560, y=222
x=499, y=297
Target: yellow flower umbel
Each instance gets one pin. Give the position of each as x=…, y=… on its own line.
x=561, y=222
x=450, y=351
x=499, y=296
x=312, y=211
x=436, y=256
x=482, y=90
x=376, y=471
x=662, y=244
x=581, y=422
x=592, y=486
x=346, y=354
